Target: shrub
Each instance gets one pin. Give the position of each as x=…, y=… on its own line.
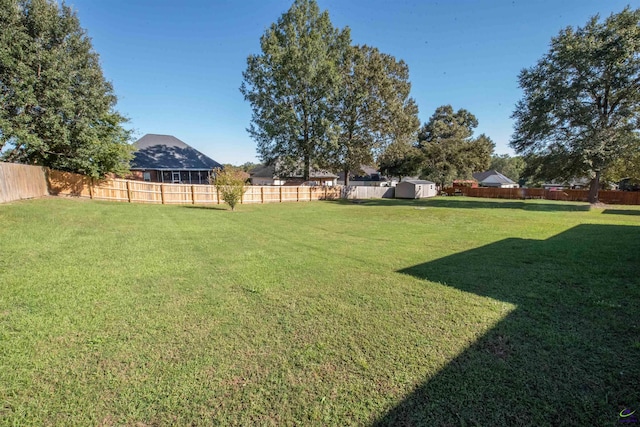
x=230, y=185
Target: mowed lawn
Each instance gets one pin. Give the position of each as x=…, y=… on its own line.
x=451, y=311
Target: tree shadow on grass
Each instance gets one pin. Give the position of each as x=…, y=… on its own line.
x=460, y=203
x=208, y=207
x=567, y=355
x=621, y=212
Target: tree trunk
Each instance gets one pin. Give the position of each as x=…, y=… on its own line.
x=593, y=189
x=346, y=176
x=307, y=168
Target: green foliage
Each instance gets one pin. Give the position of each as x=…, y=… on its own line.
x=57, y=109
x=582, y=99
x=230, y=183
x=450, y=150
x=511, y=167
x=625, y=166
x=292, y=87
x=400, y=159
x=373, y=107
x=247, y=166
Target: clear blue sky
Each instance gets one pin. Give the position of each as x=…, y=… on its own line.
x=176, y=66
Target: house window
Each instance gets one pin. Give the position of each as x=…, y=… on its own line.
x=175, y=177
x=146, y=176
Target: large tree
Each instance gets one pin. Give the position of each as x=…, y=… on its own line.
x=449, y=147
x=373, y=108
x=400, y=159
x=292, y=87
x=581, y=101
x=56, y=108
x=511, y=167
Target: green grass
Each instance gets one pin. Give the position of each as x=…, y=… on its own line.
x=451, y=311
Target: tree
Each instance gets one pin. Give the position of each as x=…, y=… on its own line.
x=230, y=185
x=373, y=108
x=582, y=100
x=626, y=166
x=400, y=159
x=242, y=169
x=57, y=109
x=511, y=167
x=449, y=148
x=292, y=87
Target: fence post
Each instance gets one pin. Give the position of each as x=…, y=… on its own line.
x=262, y=195
x=297, y=194
x=193, y=195
x=310, y=195
x=280, y=194
x=91, y=188
x=128, y=191
x=218, y=195
x=162, y=193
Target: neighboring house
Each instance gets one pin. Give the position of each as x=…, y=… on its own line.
x=628, y=184
x=164, y=158
x=415, y=189
x=266, y=175
x=574, y=184
x=367, y=176
x=493, y=178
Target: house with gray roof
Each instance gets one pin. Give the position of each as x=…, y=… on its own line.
x=493, y=178
x=165, y=158
x=367, y=176
x=266, y=175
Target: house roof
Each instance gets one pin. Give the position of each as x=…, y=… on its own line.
x=492, y=177
x=417, y=181
x=365, y=173
x=168, y=152
x=263, y=171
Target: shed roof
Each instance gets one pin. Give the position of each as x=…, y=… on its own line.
x=168, y=152
x=492, y=177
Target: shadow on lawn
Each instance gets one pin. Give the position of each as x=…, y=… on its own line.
x=621, y=212
x=454, y=202
x=208, y=207
x=567, y=355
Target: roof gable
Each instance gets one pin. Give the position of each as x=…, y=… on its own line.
x=168, y=152
x=416, y=181
x=263, y=171
x=492, y=176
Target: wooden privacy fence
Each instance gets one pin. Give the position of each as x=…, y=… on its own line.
x=605, y=196
x=69, y=184
x=21, y=182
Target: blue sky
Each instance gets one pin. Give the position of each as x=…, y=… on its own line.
x=177, y=66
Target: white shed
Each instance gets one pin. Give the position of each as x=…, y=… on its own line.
x=415, y=189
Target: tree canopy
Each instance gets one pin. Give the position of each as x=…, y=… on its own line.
x=511, y=167
x=292, y=86
x=400, y=159
x=449, y=148
x=57, y=109
x=373, y=108
x=579, y=115
x=319, y=102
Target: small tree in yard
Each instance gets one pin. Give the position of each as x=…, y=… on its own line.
x=230, y=185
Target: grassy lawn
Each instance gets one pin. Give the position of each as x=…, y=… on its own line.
x=451, y=311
